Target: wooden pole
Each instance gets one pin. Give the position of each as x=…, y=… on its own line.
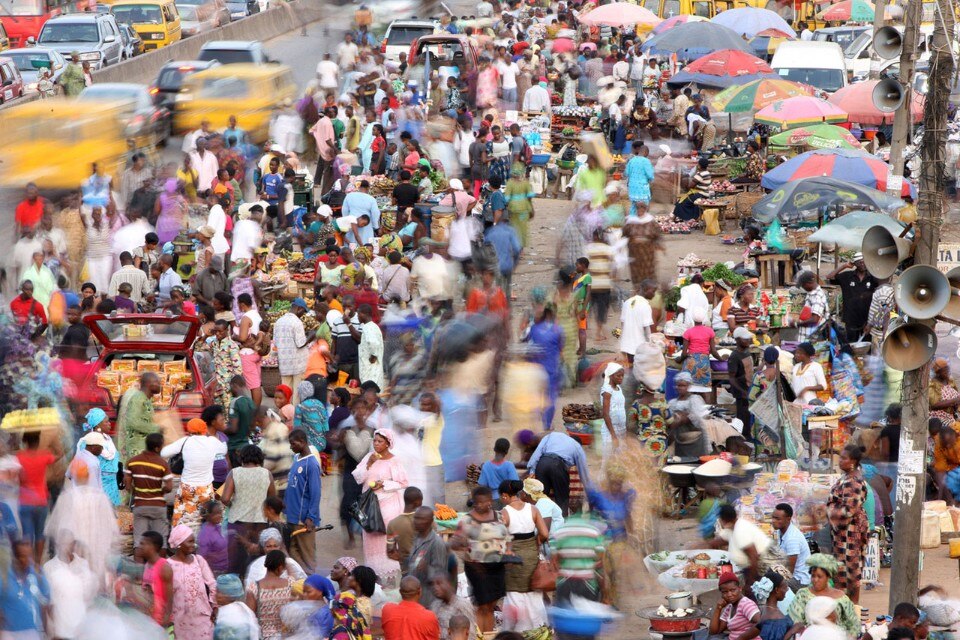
x=901, y=119
x=911, y=480
x=879, y=9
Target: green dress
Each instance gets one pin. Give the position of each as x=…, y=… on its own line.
x=519, y=194
x=72, y=80
x=134, y=423
x=847, y=618
x=567, y=320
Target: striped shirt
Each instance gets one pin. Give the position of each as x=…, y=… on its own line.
x=146, y=473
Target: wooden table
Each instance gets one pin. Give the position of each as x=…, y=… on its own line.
x=769, y=266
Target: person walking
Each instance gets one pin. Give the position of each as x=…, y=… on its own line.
x=523, y=608
x=302, y=502
x=194, y=606
x=291, y=342
x=244, y=491
x=848, y=521
x=199, y=449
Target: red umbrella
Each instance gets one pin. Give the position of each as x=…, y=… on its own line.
x=857, y=100
x=728, y=62
x=563, y=45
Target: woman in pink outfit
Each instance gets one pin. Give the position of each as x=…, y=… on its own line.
x=194, y=588
x=382, y=472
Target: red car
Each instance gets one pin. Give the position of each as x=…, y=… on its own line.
x=130, y=345
x=11, y=83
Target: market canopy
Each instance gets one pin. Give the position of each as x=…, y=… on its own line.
x=857, y=100
x=673, y=21
x=722, y=69
x=847, y=230
x=791, y=200
x=757, y=94
x=694, y=40
x=766, y=42
x=749, y=21
x=849, y=11
x=857, y=167
x=818, y=136
x=620, y=14
x=799, y=111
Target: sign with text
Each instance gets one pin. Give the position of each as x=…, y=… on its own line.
x=949, y=256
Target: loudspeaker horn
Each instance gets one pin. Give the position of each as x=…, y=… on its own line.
x=922, y=292
x=883, y=251
x=909, y=346
x=888, y=43
x=888, y=95
x=952, y=310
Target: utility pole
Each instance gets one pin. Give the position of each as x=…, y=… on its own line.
x=911, y=481
x=879, y=13
x=901, y=119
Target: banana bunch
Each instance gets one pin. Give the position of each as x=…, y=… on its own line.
x=30, y=419
x=540, y=633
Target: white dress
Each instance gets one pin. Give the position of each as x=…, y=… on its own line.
x=371, y=344
x=618, y=418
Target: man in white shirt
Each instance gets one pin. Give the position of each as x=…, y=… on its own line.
x=135, y=277
x=247, y=232
x=805, y=33
x=746, y=541
x=508, y=75
x=430, y=276
x=537, y=99
x=621, y=69
x=792, y=542
x=327, y=72
x=651, y=74
x=21, y=257
x=636, y=318
x=616, y=113
x=73, y=586
x=347, y=52
x=360, y=202
x=206, y=165
x=190, y=139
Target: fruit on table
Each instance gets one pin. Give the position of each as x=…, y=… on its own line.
x=443, y=512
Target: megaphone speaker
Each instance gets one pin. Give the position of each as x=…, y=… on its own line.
x=883, y=251
x=888, y=43
x=922, y=292
x=909, y=346
x=888, y=95
x=952, y=310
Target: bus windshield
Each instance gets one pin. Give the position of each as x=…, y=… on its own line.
x=138, y=14
x=22, y=8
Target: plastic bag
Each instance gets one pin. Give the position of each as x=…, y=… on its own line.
x=366, y=511
x=711, y=217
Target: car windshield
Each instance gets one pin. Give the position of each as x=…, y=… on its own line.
x=847, y=36
x=24, y=59
x=143, y=330
x=828, y=80
x=187, y=11
x=171, y=79
x=227, y=56
x=223, y=88
x=853, y=47
x=54, y=33
x=403, y=36
x=138, y=14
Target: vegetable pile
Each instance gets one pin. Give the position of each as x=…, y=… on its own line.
x=721, y=271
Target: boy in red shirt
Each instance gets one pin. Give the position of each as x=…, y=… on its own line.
x=34, y=497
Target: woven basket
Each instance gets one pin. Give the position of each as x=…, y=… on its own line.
x=269, y=380
x=745, y=201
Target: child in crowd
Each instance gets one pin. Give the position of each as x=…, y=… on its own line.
x=495, y=471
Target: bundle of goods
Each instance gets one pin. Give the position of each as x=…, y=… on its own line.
x=124, y=374
x=580, y=421
x=721, y=271
x=381, y=186
x=670, y=225
x=800, y=489
x=31, y=419
x=443, y=512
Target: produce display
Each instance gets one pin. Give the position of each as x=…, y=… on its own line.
x=124, y=374
x=669, y=225
x=381, y=186
x=800, y=489
x=578, y=112
x=31, y=419
x=581, y=413
x=723, y=185
x=443, y=512
x=720, y=271
x=679, y=612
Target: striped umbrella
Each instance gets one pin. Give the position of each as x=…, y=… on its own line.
x=756, y=95
x=673, y=21
x=799, y=111
x=848, y=11
x=819, y=136
x=850, y=165
x=766, y=42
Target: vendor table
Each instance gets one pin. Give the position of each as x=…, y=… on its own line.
x=827, y=425
x=769, y=265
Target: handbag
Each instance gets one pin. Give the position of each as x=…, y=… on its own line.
x=366, y=511
x=176, y=460
x=545, y=575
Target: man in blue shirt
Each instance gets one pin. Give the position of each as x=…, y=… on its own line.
x=360, y=202
x=551, y=462
x=272, y=188
x=505, y=241
x=792, y=542
x=23, y=595
x=302, y=501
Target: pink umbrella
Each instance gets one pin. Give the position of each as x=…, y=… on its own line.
x=800, y=111
x=620, y=14
x=563, y=45
x=673, y=21
x=857, y=100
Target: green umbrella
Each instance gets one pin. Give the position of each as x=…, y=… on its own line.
x=820, y=136
x=758, y=94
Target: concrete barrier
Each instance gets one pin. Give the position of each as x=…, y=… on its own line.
x=261, y=26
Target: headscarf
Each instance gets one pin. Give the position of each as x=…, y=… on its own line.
x=538, y=295
x=940, y=363
x=297, y=587
x=305, y=390
x=287, y=391
x=819, y=608
x=321, y=584
x=197, y=427
x=683, y=376
x=179, y=535
x=699, y=315
x=534, y=488
x=348, y=562
x=762, y=589
x=525, y=437
x=386, y=434
x=363, y=254
x=170, y=186
x=743, y=289
x=230, y=585
x=270, y=534
x=94, y=417
x=610, y=370
x=823, y=561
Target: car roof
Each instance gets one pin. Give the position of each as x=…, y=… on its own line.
x=237, y=45
x=242, y=70
x=413, y=22
x=198, y=64
x=46, y=50
x=81, y=17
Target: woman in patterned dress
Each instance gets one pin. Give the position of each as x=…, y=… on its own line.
x=267, y=596
x=566, y=305
x=944, y=395
x=643, y=243
x=194, y=587
x=650, y=414
x=848, y=521
x=498, y=150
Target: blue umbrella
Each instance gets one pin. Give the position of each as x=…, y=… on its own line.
x=849, y=165
x=693, y=40
x=751, y=20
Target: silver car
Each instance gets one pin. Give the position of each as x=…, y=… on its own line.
x=95, y=36
x=30, y=60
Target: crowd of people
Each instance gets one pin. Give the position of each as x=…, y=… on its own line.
x=195, y=507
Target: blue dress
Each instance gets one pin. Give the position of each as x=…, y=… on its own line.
x=639, y=175
x=311, y=416
x=613, y=509
x=548, y=336
x=108, y=470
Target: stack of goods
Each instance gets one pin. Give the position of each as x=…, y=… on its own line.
x=123, y=375
x=672, y=226
x=703, y=567
x=800, y=489
x=381, y=186
x=579, y=420
x=938, y=520
x=301, y=269
x=31, y=420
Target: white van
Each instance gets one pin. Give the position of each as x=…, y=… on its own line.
x=819, y=64
x=401, y=34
